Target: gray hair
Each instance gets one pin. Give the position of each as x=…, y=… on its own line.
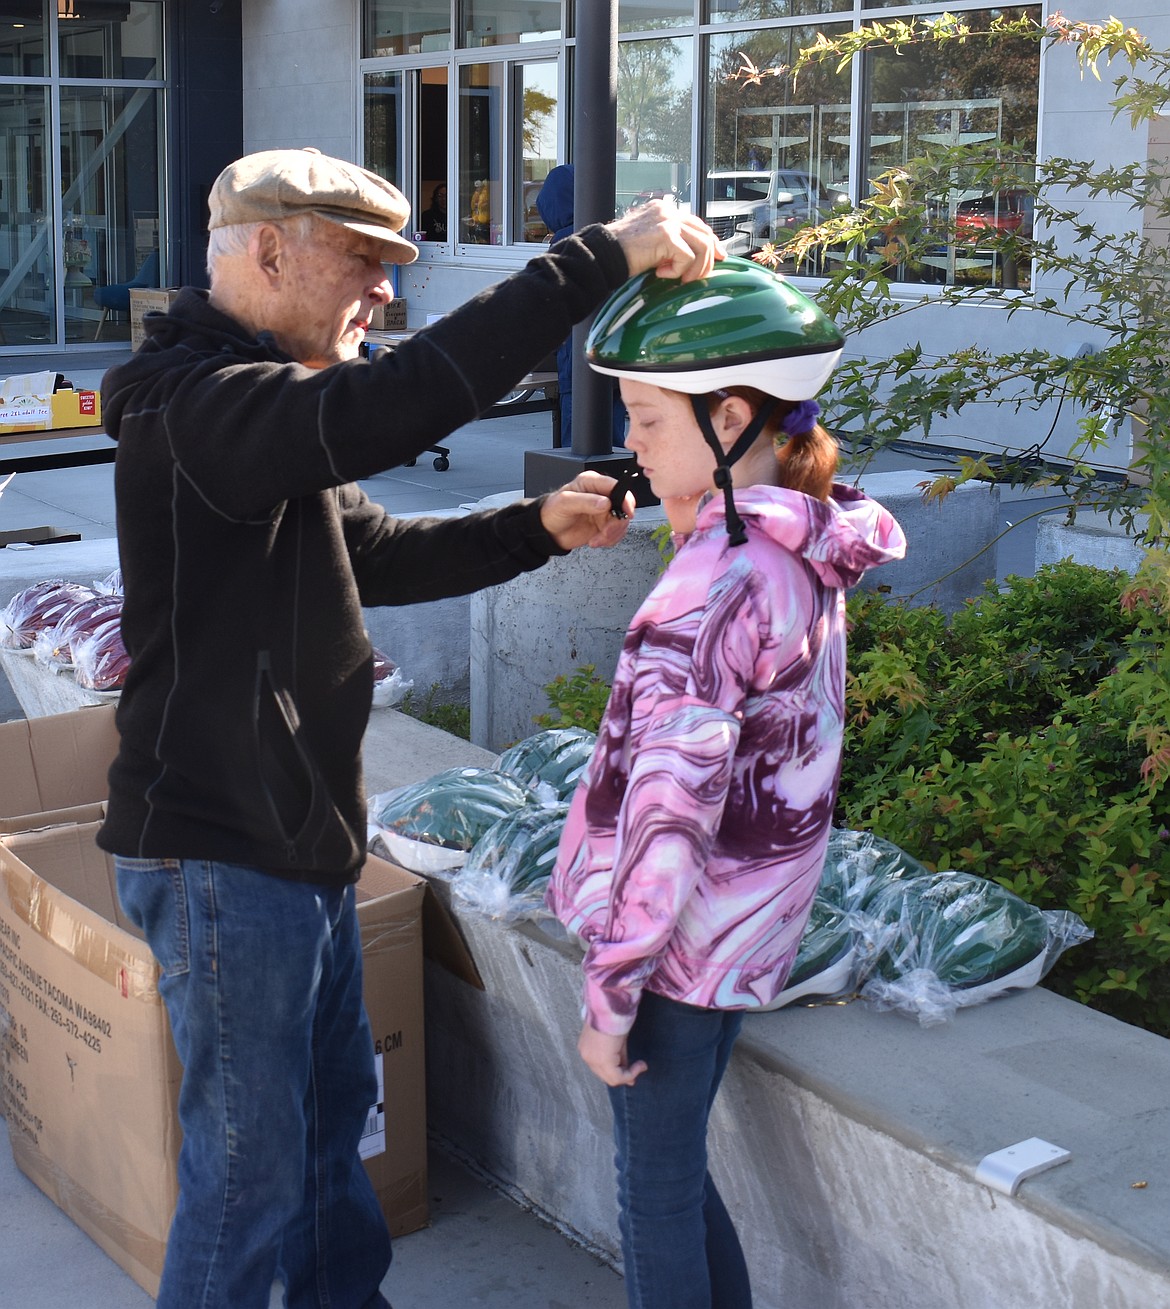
x=232, y=241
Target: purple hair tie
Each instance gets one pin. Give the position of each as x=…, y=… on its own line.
x=801, y=418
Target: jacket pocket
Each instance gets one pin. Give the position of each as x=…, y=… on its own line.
x=288, y=779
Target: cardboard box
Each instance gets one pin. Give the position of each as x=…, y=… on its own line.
x=147, y=300
x=88, y=1073
x=44, y=413
x=54, y=762
x=389, y=318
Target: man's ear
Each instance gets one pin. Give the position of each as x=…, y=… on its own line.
x=267, y=248
x=730, y=418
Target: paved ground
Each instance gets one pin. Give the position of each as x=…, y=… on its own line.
x=481, y=1249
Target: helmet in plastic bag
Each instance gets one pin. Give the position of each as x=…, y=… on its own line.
x=509, y=866
x=826, y=962
x=742, y=325
x=556, y=756
x=859, y=864
x=453, y=808
x=966, y=931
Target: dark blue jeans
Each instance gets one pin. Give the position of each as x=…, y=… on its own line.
x=679, y=1247
x=262, y=980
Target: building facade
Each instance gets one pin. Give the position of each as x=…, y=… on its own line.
x=121, y=113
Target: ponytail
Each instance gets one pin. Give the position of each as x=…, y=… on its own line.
x=807, y=461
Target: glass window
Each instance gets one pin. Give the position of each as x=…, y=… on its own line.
x=777, y=156
x=481, y=155
x=405, y=27
x=930, y=98
x=733, y=11
x=22, y=38
x=382, y=119
x=111, y=202
x=487, y=22
x=654, y=95
x=535, y=118
x=110, y=38
x=653, y=15
x=430, y=137
x=27, y=250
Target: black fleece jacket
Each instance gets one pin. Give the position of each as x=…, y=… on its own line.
x=247, y=554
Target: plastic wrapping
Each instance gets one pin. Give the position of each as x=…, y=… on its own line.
x=556, y=757
x=507, y=871
x=35, y=608
x=959, y=940
x=100, y=661
x=885, y=926
x=859, y=864
x=53, y=646
x=111, y=584
x=389, y=683
x=430, y=826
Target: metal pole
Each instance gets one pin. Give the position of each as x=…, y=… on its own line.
x=594, y=197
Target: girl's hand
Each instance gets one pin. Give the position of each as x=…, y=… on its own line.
x=606, y=1057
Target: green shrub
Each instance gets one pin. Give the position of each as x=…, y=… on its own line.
x=999, y=744
x=431, y=709
x=577, y=700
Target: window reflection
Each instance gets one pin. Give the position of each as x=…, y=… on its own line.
x=932, y=98
x=536, y=93
x=777, y=155
x=654, y=94
x=481, y=94
x=27, y=250
x=405, y=27
x=488, y=23
x=110, y=38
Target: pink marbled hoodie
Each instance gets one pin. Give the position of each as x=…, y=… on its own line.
x=695, y=840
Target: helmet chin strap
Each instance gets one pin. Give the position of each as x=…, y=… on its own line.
x=725, y=458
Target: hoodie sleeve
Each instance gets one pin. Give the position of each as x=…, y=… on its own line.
x=683, y=750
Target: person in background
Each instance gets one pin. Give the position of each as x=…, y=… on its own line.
x=695, y=841
x=236, y=811
x=554, y=202
x=434, y=219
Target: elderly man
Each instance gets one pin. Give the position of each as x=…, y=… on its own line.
x=236, y=809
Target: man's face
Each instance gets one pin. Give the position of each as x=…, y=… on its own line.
x=333, y=280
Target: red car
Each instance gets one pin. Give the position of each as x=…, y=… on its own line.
x=1006, y=211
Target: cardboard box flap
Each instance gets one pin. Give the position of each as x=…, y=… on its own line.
x=103, y=949
x=43, y=819
x=56, y=761
x=443, y=941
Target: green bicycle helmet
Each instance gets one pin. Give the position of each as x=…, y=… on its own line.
x=742, y=325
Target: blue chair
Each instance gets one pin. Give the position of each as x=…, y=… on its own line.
x=116, y=296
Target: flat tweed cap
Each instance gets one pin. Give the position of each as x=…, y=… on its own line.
x=276, y=184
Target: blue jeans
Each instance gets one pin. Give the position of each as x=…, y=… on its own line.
x=262, y=979
x=679, y=1246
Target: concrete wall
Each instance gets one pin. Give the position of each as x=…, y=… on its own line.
x=844, y=1140
x=300, y=75
x=1093, y=539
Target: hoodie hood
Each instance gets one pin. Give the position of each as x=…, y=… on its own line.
x=200, y=330
x=840, y=539
x=554, y=201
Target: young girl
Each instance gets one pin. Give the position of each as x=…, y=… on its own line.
x=694, y=843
